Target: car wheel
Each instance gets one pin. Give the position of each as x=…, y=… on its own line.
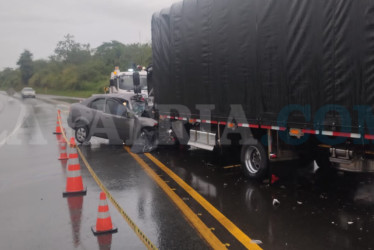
x=82, y=134
x=254, y=160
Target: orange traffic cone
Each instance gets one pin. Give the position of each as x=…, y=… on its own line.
x=63, y=154
x=104, y=221
x=58, y=127
x=60, y=137
x=72, y=142
x=74, y=182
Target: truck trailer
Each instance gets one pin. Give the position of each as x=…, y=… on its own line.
x=279, y=79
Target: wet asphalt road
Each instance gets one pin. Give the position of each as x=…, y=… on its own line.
x=316, y=210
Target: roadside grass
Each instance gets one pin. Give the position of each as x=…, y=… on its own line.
x=94, y=88
x=68, y=93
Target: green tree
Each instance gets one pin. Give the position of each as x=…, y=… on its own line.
x=110, y=53
x=69, y=51
x=115, y=53
x=26, y=66
x=10, y=78
x=73, y=66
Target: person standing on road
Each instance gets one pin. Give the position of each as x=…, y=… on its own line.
x=113, y=80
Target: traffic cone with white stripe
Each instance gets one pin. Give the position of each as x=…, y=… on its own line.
x=74, y=182
x=104, y=221
x=63, y=154
x=58, y=127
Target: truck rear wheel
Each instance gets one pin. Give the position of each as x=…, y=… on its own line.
x=254, y=160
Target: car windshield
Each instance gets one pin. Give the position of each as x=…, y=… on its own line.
x=126, y=82
x=27, y=89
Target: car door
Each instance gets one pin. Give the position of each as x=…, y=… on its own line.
x=118, y=110
x=96, y=117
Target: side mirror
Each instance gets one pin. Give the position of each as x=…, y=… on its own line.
x=130, y=114
x=136, y=80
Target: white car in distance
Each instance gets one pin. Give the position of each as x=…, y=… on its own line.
x=28, y=92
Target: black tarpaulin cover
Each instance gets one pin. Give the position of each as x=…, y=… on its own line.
x=266, y=55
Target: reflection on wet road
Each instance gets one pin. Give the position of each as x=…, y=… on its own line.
x=33, y=213
x=10, y=113
x=316, y=209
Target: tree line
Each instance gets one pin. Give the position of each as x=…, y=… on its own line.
x=75, y=66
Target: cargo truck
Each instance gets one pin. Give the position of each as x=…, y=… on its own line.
x=279, y=79
x=123, y=82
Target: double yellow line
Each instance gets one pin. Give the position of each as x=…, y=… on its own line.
x=147, y=242
x=207, y=234
x=204, y=231
x=213, y=241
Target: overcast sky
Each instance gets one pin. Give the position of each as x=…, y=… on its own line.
x=37, y=25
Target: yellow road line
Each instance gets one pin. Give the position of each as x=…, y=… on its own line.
x=231, y=227
x=127, y=218
x=134, y=227
x=205, y=232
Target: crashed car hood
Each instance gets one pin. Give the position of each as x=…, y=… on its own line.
x=147, y=122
